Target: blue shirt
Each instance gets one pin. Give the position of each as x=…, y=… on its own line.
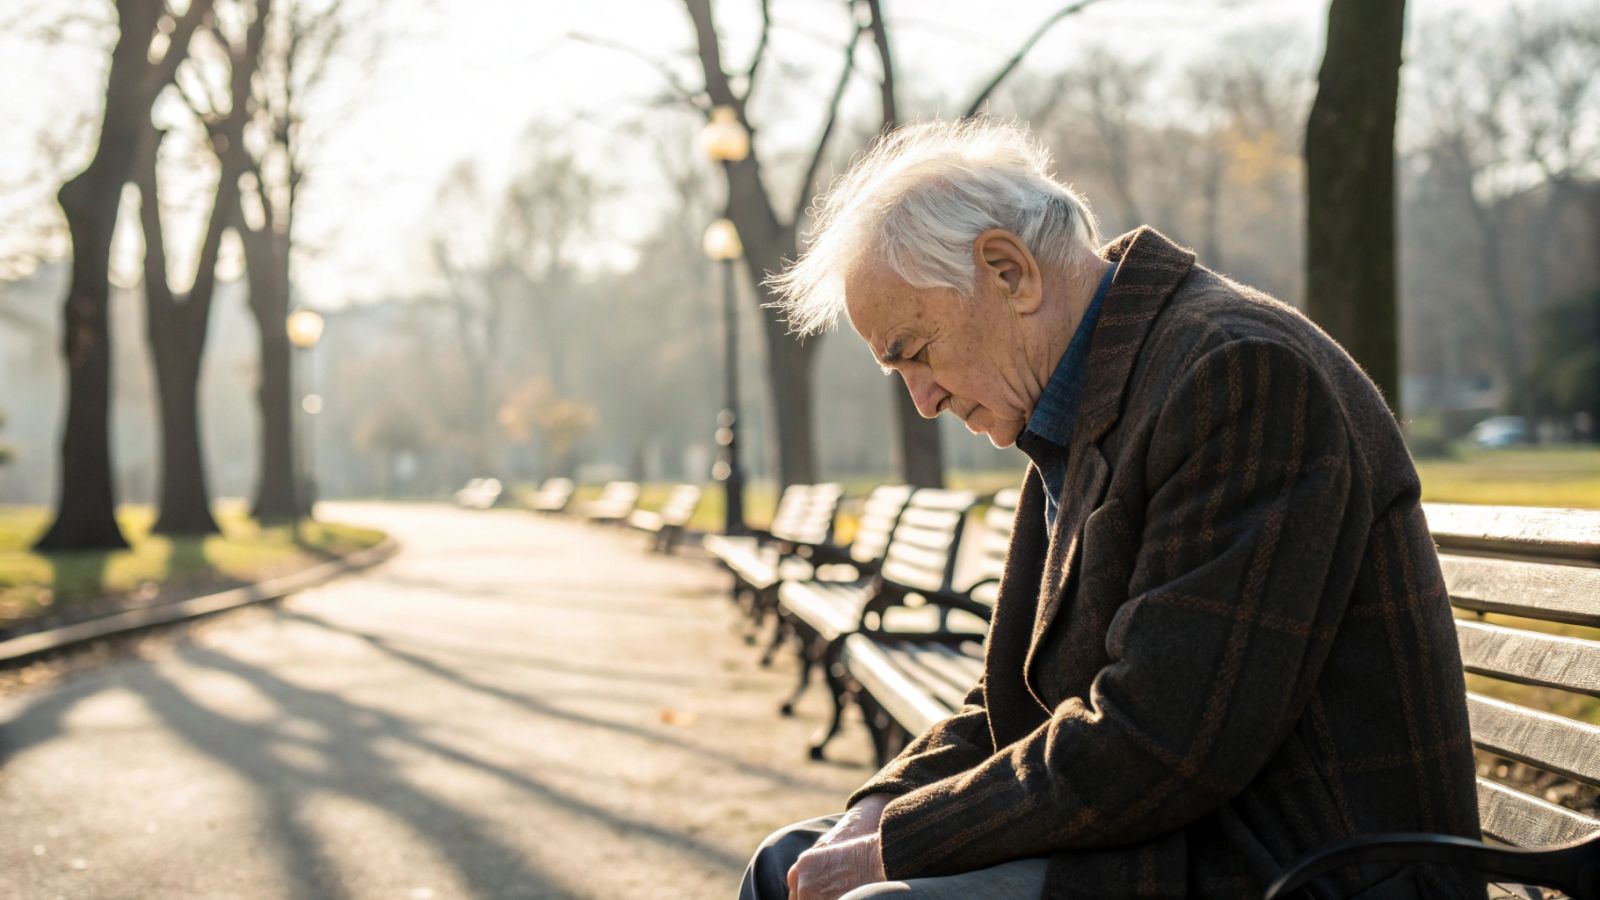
x=1049, y=430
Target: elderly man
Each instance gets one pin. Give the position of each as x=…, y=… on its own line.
x=1222, y=637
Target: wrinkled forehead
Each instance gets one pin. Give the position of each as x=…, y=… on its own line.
x=876, y=298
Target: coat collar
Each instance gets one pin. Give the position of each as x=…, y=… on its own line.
x=1151, y=268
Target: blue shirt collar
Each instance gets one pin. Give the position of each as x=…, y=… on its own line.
x=1057, y=411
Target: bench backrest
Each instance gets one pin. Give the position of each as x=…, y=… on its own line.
x=922, y=552
x=1526, y=583
x=988, y=560
x=876, y=525
x=556, y=487
x=680, y=505
x=805, y=513
x=619, y=492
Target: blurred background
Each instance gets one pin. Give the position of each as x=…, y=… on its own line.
x=497, y=210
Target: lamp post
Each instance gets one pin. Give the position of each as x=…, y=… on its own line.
x=305, y=330
x=726, y=141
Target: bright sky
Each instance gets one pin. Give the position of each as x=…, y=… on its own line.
x=462, y=79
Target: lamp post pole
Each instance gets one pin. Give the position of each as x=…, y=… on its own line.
x=728, y=419
x=726, y=140
x=305, y=330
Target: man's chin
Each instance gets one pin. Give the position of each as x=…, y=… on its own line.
x=1004, y=439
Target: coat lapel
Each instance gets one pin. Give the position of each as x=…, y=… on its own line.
x=1151, y=269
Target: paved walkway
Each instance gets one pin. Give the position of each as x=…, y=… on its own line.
x=512, y=707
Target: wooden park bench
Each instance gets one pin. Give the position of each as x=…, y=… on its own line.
x=905, y=681
x=479, y=493
x=802, y=523
x=551, y=497
x=919, y=561
x=667, y=524
x=615, y=503
x=833, y=564
x=1526, y=586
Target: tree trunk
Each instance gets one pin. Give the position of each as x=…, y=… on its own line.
x=919, y=454
x=86, y=505
x=277, y=497
x=1350, y=199
x=177, y=345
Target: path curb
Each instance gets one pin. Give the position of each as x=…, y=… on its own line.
x=26, y=646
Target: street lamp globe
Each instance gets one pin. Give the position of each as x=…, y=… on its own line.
x=305, y=328
x=721, y=241
x=725, y=139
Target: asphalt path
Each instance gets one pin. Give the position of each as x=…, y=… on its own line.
x=511, y=707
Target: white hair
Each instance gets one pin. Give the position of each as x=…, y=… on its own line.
x=918, y=198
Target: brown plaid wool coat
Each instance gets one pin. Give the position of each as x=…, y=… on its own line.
x=1234, y=647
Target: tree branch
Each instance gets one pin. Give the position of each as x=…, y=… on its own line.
x=178, y=46
x=761, y=49
x=827, y=126
x=705, y=32
x=880, y=38
x=660, y=65
x=1016, y=59
x=157, y=288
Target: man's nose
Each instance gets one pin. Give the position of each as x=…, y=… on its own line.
x=926, y=393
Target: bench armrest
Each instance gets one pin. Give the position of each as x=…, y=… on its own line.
x=1573, y=868
x=888, y=598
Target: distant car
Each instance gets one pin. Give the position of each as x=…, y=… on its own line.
x=1500, y=431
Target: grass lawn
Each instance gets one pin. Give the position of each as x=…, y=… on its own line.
x=1542, y=476
x=1534, y=476
x=39, y=589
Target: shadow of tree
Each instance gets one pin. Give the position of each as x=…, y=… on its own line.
x=356, y=768
x=538, y=707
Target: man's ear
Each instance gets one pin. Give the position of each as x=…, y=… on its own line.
x=1005, y=267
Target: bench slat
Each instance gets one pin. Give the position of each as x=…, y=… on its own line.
x=910, y=659
x=1521, y=820
x=896, y=693
x=1571, y=534
x=1527, y=657
x=959, y=669
x=1553, y=743
x=1554, y=593
x=877, y=523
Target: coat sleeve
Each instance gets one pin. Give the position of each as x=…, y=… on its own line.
x=1212, y=652
x=948, y=748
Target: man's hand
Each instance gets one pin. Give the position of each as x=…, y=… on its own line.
x=845, y=858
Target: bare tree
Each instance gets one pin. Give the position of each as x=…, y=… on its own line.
x=508, y=270
x=152, y=41
x=1350, y=214
x=177, y=322
x=302, y=42
x=1495, y=113
x=769, y=229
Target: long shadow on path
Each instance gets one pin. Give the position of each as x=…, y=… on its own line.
x=356, y=768
x=540, y=708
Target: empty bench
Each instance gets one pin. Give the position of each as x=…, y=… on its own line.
x=615, y=503
x=479, y=493
x=666, y=525
x=551, y=497
x=904, y=682
x=918, y=562
x=802, y=523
